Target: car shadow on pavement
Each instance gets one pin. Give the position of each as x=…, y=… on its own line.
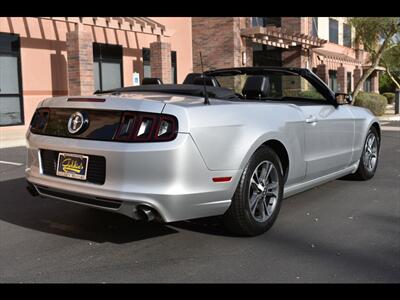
x=52, y=216
x=210, y=225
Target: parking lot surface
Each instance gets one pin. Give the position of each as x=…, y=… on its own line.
x=343, y=231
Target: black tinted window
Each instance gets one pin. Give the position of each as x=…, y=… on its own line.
x=333, y=31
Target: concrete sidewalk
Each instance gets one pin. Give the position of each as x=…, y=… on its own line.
x=389, y=114
x=12, y=137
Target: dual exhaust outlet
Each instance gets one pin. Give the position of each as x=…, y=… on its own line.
x=143, y=212
x=146, y=213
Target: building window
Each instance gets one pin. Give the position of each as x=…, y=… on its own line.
x=174, y=71
x=367, y=85
x=11, y=103
x=349, y=82
x=333, y=31
x=346, y=35
x=265, y=21
x=146, y=63
x=147, y=67
x=314, y=27
x=107, y=66
x=333, y=80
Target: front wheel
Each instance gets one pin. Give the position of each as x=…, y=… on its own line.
x=257, y=199
x=369, y=156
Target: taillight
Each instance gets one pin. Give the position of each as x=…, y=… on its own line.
x=146, y=127
x=39, y=120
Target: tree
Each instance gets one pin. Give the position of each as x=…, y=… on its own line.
x=391, y=61
x=377, y=35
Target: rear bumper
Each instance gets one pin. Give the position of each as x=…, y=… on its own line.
x=170, y=177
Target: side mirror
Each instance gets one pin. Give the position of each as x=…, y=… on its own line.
x=343, y=98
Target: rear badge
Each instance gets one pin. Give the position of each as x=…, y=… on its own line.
x=77, y=122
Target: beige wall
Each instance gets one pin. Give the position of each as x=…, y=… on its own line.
x=323, y=28
x=44, y=57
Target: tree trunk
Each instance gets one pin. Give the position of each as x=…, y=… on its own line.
x=369, y=71
x=392, y=78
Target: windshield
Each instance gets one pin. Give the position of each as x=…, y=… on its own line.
x=278, y=86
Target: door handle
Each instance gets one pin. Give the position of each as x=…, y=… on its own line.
x=311, y=119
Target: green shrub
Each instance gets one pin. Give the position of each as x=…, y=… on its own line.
x=310, y=94
x=374, y=102
x=389, y=97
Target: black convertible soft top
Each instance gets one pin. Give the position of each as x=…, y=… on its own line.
x=180, y=89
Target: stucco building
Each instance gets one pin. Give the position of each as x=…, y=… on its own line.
x=325, y=45
x=42, y=57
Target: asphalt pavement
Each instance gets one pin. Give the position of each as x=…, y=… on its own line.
x=342, y=232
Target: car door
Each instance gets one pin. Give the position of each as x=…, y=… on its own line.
x=329, y=131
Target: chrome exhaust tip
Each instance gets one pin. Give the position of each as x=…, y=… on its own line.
x=146, y=213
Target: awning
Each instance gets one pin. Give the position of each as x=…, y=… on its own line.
x=134, y=24
x=280, y=37
x=378, y=68
x=340, y=57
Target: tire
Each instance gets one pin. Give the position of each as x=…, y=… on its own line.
x=364, y=171
x=244, y=218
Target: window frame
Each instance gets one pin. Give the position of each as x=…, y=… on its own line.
x=314, y=29
x=20, y=88
x=330, y=77
x=266, y=21
x=331, y=40
x=347, y=42
x=146, y=62
x=100, y=60
x=349, y=81
x=174, y=64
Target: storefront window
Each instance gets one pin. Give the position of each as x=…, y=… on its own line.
x=107, y=66
x=333, y=80
x=11, y=108
x=147, y=67
x=174, y=75
x=349, y=82
x=367, y=85
x=146, y=63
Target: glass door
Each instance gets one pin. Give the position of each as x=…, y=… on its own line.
x=11, y=109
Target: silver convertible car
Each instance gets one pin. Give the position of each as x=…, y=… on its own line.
x=230, y=142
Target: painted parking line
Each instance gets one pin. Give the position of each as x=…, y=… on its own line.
x=390, y=128
x=10, y=163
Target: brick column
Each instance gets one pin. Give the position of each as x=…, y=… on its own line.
x=375, y=82
x=322, y=72
x=341, y=79
x=220, y=43
x=80, y=62
x=160, y=61
x=357, y=77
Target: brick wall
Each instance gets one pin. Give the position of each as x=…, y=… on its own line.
x=80, y=62
x=296, y=57
x=342, y=79
x=322, y=72
x=160, y=61
x=219, y=40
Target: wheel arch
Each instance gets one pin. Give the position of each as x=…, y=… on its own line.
x=280, y=150
x=378, y=128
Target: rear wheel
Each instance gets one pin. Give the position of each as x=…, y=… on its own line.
x=257, y=199
x=369, y=156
